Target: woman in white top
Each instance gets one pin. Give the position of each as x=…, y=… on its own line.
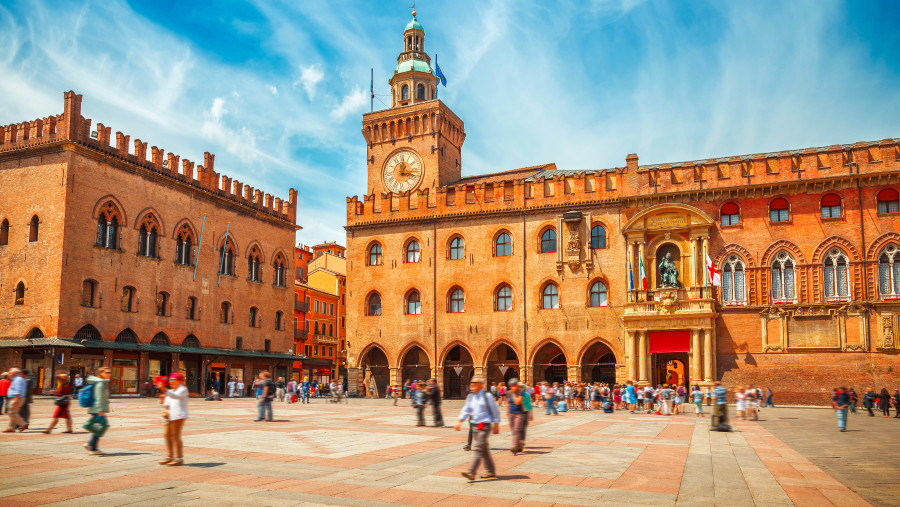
x=741, y=398
x=175, y=399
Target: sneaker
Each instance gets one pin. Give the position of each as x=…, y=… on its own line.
x=165, y=461
x=98, y=452
x=87, y=447
x=468, y=475
x=489, y=475
x=176, y=462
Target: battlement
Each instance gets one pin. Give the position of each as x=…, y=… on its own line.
x=71, y=126
x=546, y=186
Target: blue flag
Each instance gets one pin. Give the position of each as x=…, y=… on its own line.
x=630, y=276
x=438, y=75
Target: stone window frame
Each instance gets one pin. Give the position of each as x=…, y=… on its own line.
x=407, y=250
x=554, y=240
x=544, y=295
x=783, y=258
x=407, y=300
x=496, y=243
x=456, y=248
x=456, y=300
x=369, y=308
x=378, y=258
x=891, y=254
x=590, y=299
x=832, y=259
x=727, y=269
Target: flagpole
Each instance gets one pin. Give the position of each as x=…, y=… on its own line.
x=197, y=257
x=222, y=259
x=372, y=91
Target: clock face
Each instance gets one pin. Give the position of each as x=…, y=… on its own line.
x=402, y=172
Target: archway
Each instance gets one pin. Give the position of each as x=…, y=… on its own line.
x=415, y=365
x=598, y=364
x=458, y=370
x=550, y=364
x=376, y=370
x=502, y=364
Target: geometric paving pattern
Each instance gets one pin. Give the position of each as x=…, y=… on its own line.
x=369, y=452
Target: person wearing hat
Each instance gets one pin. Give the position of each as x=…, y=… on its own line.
x=175, y=399
x=481, y=410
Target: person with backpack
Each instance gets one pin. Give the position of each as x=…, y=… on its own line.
x=95, y=397
x=481, y=411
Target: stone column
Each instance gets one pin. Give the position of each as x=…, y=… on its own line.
x=574, y=373
x=642, y=346
x=630, y=352
x=696, y=371
x=708, y=352
x=395, y=376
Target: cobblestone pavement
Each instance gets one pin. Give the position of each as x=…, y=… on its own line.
x=370, y=453
x=866, y=458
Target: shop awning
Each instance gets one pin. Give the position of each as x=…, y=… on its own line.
x=670, y=341
x=140, y=347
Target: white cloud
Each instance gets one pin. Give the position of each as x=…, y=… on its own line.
x=273, y=89
x=309, y=78
x=351, y=103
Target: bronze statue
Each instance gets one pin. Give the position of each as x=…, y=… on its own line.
x=668, y=273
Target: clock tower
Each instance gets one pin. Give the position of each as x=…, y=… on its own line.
x=416, y=144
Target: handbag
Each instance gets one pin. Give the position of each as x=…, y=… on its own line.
x=61, y=401
x=96, y=425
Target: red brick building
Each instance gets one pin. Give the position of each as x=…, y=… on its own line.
x=125, y=256
x=539, y=273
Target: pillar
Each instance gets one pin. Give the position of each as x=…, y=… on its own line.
x=574, y=373
x=630, y=356
x=643, y=356
x=708, y=353
x=696, y=371
x=395, y=376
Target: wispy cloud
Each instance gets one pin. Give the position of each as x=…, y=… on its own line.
x=351, y=103
x=309, y=78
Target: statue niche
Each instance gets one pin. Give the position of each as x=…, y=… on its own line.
x=667, y=257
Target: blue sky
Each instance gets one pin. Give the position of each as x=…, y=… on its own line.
x=277, y=89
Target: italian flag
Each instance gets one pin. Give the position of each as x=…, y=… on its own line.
x=643, y=276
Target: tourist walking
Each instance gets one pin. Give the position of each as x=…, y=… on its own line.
x=697, y=399
x=4, y=390
x=419, y=401
x=841, y=402
x=666, y=396
x=884, y=403
x=895, y=400
x=752, y=398
x=549, y=394
x=529, y=411
x=769, y=395
x=680, y=394
x=232, y=385
x=740, y=398
x=707, y=394
x=304, y=390
x=395, y=393
x=630, y=396
x=869, y=400
x=175, y=400
x=63, y=398
x=517, y=415
x=854, y=399
x=279, y=389
x=433, y=392
x=16, y=396
x=266, y=390
x=99, y=408
x=25, y=411
x=78, y=383
x=240, y=388
x=720, y=407
x=481, y=411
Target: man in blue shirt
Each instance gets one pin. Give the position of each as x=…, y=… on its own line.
x=841, y=403
x=720, y=407
x=482, y=412
x=16, y=395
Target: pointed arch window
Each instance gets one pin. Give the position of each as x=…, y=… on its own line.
x=148, y=236
x=779, y=210
x=503, y=245
x=88, y=332
x=253, y=265
x=782, y=277
x=373, y=305
x=191, y=341
x=128, y=302
x=834, y=275
x=108, y=226
x=413, y=303
x=457, y=249
x=375, y=255
x=33, y=227
x=598, y=294
x=127, y=336
x=279, y=270
x=598, y=237
x=413, y=252
x=20, y=293
x=503, y=299
x=226, y=257
x=889, y=272
x=733, y=293
x=457, y=300
x=888, y=201
x=4, y=232
x=184, y=243
x=550, y=297
x=548, y=240
x=160, y=339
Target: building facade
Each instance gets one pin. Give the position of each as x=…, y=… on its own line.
x=147, y=265
x=608, y=275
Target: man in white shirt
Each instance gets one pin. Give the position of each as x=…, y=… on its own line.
x=482, y=412
x=231, y=385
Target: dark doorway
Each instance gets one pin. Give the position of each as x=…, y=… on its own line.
x=502, y=365
x=671, y=368
x=598, y=364
x=550, y=364
x=415, y=366
x=375, y=371
x=458, y=370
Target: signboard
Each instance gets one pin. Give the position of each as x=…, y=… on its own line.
x=503, y=369
x=59, y=358
x=667, y=221
x=458, y=370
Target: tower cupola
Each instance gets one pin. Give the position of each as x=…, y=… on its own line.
x=413, y=79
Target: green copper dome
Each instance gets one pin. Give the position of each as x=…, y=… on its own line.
x=415, y=25
x=413, y=65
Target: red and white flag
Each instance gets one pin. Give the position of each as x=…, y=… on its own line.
x=715, y=277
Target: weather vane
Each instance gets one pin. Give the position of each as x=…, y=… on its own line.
x=413, y=7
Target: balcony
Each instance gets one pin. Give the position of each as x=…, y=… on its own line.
x=686, y=307
x=321, y=339
x=301, y=334
x=301, y=306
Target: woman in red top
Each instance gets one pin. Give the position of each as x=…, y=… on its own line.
x=4, y=390
x=63, y=396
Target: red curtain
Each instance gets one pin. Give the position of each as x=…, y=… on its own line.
x=670, y=341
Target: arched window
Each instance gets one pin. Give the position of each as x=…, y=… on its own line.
x=108, y=226
x=550, y=297
x=404, y=92
x=191, y=341
x=226, y=257
x=598, y=294
x=279, y=320
x=413, y=252
x=731, y=214
x=88, y=293
x=503, y=245
x=126, y=336
x=183, y=246
x=278, y=268
x=889, y=272
x=33, y=229
x=733, y=282
x=35, y=333
x=503, y=299
x=375, y=255
x=373, y=305
x=834, y=274
x=413, y=303
x=783, y=278
x=330, y=330
x=831, y=206
x=888, y=201
x=420, y=92
x=457, y=300
x=20, y=293
x=128, y=299
x=457, y=248
x=254, y=316
x=160, y=339
x=253, y=265
x=779, y=210
x=162, y=303
x=316, y=328
x=149, y=232
x=4, y=232
x=191, y=308
x=598, y=237
x=88, y=332
x=225, y=312
x=548, y=241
